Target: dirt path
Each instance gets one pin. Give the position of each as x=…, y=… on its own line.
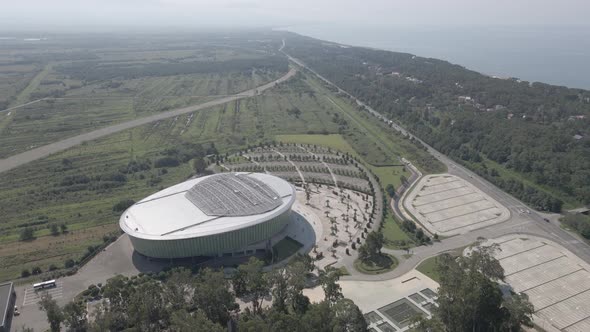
x=46, y=150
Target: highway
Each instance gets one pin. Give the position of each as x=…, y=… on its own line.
x=520, y=221
x=49, y=149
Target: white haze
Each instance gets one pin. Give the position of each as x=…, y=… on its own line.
x=74, y=15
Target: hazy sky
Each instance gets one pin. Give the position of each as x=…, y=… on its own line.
x=236, y=13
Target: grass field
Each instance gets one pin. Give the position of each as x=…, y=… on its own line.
x=428, y=267
x=41, y=193
x=79, y=91
x=285, y=248
x=395, y=237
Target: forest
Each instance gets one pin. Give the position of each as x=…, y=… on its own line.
x=529, y=138
x=186, y=300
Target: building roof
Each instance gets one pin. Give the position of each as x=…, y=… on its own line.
x=233, y=195
x=5, y=294
x=208, y=205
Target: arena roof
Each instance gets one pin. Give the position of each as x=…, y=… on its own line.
x=209, y=205
x=237, y=195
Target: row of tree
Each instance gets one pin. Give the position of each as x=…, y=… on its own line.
x=204, y=300
x=531, y=132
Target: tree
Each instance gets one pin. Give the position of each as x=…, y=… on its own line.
x=200, y=165
x=146, y=307
x=63, y=228
x=36, y=270
x=328, y=280
x=54, y=313
x=69, y=263
x=251, y=283
x=470, y=298
x=280, y=290
x=74, y=315
x=182, y=321
x=390, y=190
x=177, y=286
x=122, y=205
x=27, y=234
x=213, y=297
x=54, y=230
x=318, y=317
x=374, y=243
x=347, y=317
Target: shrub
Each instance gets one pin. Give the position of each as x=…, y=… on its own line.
x=123, y=205
x=69, y=263
x=390, y=190
x=27, y=234
x=166, y=162
x=54, y=229
x=25, y=273
x=36, y=270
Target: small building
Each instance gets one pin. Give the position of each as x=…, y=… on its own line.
x=582, y=210
x=7, y=300
x=578, y=137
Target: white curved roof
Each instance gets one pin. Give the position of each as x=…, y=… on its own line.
x=177, y=212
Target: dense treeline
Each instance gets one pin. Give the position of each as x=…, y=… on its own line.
x=539, y=131
x=471, y=298
x=204, y=300
x=578, y=222
x=97, y=71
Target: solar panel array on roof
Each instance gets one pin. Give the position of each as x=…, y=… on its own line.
x=233, y=195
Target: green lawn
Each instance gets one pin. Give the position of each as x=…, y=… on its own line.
x=390, y=174
x=428, y=267
x=395, y=237
x=285, y=248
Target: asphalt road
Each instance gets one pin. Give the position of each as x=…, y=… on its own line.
x=521, y=221
x=46, y=150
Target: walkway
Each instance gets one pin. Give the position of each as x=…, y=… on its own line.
x=46, y=150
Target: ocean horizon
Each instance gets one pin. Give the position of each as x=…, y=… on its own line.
x=558, y=55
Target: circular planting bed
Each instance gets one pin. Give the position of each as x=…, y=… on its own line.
x=381, y=264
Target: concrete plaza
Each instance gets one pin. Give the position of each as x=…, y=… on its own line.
x=556, y=281
x=448, y=205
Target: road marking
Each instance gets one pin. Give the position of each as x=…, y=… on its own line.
x=33, y=297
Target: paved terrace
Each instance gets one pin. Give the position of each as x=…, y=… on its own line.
x=556, y=281
x=448, y=205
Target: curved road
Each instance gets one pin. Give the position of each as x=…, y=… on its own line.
x=46, y=150
x=520, y=222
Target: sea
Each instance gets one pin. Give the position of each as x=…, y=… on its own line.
x=558, y=55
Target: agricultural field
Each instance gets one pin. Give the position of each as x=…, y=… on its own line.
x=81, y=187
x=45, y=97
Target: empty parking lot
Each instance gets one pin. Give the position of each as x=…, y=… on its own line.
x=448, y=205
x=556, y=281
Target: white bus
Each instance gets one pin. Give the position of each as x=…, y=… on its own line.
x=44, y=284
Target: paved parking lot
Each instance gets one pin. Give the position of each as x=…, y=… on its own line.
x=32, y=297
x=556, y=281
x=448, y=205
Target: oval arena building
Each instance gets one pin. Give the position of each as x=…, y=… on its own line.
x=213, y=215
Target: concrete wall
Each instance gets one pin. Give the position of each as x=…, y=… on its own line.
x=211, y=245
